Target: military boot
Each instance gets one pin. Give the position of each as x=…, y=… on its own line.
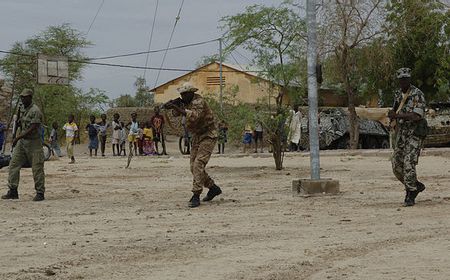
x=420, y=188
x=39, y=197
x=409, y=200
x=11, y=194
x=195, y=201
x=213, y=192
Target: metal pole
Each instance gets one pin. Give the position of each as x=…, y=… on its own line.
x=312, y=90
x=220, y=74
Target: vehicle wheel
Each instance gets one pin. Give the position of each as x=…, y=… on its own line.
x=384, y=144
x=343, y=143
x=47, y=151
x=372, y=143
x=184, y=144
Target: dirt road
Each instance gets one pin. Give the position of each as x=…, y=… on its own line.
x=101, y=221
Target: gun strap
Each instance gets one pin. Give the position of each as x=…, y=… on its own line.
x=402, y=103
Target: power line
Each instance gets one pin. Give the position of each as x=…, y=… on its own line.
x=87, y=61
x=151, y=37
x=153, y=51
x=95, y=17
x=170, y=40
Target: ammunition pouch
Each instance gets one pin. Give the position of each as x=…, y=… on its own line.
x=422, y=129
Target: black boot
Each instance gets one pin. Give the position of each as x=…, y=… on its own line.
x=195, y=201
x=11, y=194
x=39, y=197
x=213, y=192
x=409, y=199
x=420, y=188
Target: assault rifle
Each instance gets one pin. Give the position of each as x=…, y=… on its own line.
x=177, y=102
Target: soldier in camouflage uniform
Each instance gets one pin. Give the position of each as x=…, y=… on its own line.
x=408, y=113
x=27, y=149
x=200, y=122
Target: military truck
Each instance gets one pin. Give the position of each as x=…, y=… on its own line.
x=334, y=130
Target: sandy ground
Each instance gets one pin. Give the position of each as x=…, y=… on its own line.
x=102, y=221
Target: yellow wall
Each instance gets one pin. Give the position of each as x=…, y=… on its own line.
x=250, y=88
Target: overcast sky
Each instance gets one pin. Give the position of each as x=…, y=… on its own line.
x=122, y=27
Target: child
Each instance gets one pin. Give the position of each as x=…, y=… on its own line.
x=149, y=148
x=116, y=128
x=223, y=130
x=103, y=125
x=71, y=129
x=54, y=140
x=140, y=138
x=247, y=141
x=157, y=122
x=123, y=139
x=134, y=131
x=93, y=129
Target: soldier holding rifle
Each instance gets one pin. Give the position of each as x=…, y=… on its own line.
x=200, y=122
x=27, y=148
x=408, y=118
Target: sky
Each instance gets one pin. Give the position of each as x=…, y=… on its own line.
x=124, y=27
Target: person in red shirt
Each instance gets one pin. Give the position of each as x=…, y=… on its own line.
x=157, y=122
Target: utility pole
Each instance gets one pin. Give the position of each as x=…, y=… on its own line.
x=312, y=90
x=315, y=185
x=221, y=76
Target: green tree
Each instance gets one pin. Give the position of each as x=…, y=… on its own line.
x=275, y=36
x=419, y=34
x=143, y=97
x=125, y=100
x=55, y=101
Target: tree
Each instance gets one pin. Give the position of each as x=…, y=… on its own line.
x=347, y=26
x=124, y=100
x=55, y=101
x=419, y=35
x=275, y=36
x=143, y=97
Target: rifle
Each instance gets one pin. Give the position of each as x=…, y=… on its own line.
x=177, y=102
x=16, y=124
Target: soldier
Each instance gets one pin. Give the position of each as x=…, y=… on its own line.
x=200, y=122
x=408, y=118
x=27, y=149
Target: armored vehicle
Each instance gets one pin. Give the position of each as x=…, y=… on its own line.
x=438, y=117
x=334, y=127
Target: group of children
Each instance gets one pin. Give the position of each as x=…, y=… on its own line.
x=142, y=137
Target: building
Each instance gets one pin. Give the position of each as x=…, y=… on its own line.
x=249, y=86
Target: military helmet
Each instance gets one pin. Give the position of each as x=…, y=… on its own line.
x=187, y=87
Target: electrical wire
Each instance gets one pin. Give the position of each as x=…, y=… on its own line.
x=153, y=51
x=151, y=37
x=95, y=17
x=87, y=61
x=170, y=40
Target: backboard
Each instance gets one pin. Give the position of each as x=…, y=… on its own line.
x=53, y=70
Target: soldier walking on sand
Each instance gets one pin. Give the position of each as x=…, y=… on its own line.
x=27, y=149
x=408, y=118
x=200, y=122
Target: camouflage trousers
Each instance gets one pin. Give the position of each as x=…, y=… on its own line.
x=27, y=152
x=200, y=154
x=405, y=158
